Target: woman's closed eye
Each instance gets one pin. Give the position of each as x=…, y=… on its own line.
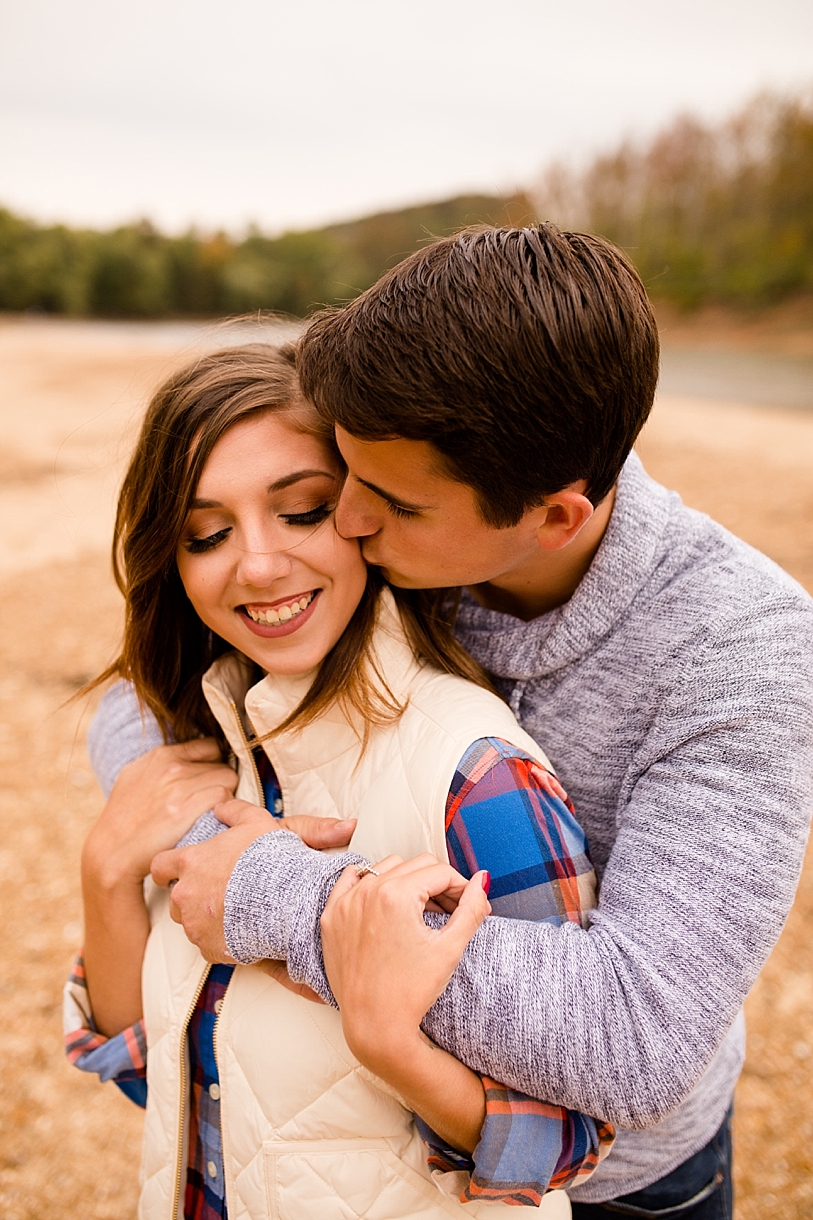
x=198, y=546
x=314, y=516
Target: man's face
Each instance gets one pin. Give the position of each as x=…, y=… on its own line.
x=420, y=527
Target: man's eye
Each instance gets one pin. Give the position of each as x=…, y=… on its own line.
x=197, y=546
x=397, y=511
x=314, y=516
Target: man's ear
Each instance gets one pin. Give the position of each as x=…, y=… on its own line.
x=564, y=516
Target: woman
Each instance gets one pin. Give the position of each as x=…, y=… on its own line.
x=252, y=622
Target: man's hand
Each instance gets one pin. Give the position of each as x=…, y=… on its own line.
x=386, y=968
x=154, y=802
x=201, y=873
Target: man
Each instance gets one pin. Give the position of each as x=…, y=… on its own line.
x=486, y=395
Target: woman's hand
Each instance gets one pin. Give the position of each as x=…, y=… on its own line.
x=387, y=968
x=154, y=802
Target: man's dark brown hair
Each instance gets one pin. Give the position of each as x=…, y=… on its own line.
x=527, y=357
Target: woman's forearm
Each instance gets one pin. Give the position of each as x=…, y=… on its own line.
x=381, y=1017
x=116, y=930
x=447, y=1095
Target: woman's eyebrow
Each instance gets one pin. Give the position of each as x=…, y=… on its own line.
x=193, y=504
x=297, y=476
x=278, y=485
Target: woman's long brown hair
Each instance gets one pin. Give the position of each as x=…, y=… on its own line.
x=167, y=648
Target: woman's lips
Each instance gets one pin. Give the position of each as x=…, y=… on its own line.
x=288, y=624
x=280, y=611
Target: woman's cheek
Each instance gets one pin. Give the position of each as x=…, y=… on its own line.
x=200, y=584
x=348, y=558
x=356, y=570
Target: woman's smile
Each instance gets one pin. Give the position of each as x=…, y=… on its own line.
x=283, y=617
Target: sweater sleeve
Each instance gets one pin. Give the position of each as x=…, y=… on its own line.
x=621, y=1019
x=121, y=730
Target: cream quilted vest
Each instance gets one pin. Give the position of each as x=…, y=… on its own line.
x=308, y=1133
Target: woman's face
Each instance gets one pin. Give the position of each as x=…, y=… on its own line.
x=258, y=555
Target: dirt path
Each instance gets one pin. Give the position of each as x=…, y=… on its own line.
x=69, y=1147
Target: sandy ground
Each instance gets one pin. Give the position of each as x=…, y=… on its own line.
x=70, y=397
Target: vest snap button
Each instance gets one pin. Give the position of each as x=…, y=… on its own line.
x=214, y=1092
x=211, y=1169
x=218, y=1006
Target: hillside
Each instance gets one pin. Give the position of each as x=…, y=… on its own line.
x=136, y=272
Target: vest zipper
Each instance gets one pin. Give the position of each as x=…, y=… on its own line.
x=222, y=1124
x=179, y=1168
x=250, y=753
x=178, y=1171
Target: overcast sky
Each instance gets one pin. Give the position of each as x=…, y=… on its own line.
x=224, y=112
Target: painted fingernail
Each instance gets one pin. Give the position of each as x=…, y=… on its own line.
x=486, y=882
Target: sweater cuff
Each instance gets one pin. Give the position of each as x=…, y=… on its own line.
x=274, y=903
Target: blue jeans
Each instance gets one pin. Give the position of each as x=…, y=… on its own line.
x=699, y=1189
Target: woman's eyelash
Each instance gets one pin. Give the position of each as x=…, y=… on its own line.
x=397, y=511
x=197, y=546
x=314, y=516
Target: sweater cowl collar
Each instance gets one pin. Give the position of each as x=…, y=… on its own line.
x=629, y=553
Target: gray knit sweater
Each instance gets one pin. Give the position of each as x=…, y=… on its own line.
x=674, y=695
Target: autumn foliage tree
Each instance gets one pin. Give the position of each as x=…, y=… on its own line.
x=708, y=213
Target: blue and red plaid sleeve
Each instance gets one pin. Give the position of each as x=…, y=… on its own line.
x=506, y=813
x=122, y=1059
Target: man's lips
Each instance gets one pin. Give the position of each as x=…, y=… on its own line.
x=283, y=617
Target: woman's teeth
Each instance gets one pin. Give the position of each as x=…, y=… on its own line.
x=280, y=614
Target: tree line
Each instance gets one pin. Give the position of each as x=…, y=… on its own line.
x=136, y=272
x=707, y=212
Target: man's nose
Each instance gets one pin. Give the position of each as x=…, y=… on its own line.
x=356, y=513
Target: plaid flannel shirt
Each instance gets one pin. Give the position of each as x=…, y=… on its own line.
x=504, y=813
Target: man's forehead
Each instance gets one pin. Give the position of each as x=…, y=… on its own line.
x=398, y=466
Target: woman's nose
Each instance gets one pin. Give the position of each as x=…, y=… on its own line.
x=259, y=568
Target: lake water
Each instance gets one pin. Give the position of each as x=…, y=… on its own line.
x=729, y=376
x=725, y=375
x=747, y=377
